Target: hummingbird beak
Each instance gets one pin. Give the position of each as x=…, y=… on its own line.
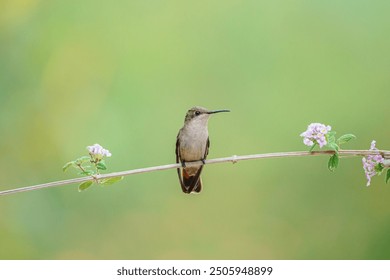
x=218, y=111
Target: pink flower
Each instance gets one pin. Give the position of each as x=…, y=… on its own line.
x=98, y=151
x=372, y=164
x=316, y=133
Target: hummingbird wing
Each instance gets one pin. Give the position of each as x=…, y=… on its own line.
x=206, y=152
x=183, y=187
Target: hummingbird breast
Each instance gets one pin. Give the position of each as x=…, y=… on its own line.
x=193, y=142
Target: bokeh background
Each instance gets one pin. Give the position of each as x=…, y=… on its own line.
x=123, y=74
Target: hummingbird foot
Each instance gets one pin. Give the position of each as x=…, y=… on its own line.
x=203, y=160
x=183, y=164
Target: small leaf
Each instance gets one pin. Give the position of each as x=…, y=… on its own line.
x=85, y=185
x=331, y=137
x=111, y=181
x=379, y=168
x=333, y=162
x=387, y=175
x=67, y=165
x=83, y=159
x=101, y=165
x=87, y=172
x=345, y=138
x=333, y=146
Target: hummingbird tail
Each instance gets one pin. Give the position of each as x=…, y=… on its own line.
x=192, y=183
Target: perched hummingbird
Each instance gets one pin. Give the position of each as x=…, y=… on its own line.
x=192, y=144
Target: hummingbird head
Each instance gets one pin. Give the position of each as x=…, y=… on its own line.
x=200, y=114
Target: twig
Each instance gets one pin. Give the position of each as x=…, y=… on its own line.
x=233, y=159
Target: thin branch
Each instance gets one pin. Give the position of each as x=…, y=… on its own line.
x=233, y=159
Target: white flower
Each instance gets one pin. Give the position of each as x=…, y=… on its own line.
x=98, y=151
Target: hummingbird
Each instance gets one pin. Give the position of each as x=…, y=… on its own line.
x=192, y=144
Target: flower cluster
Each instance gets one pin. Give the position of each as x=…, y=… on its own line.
x=98, y=152
x=372, y=164
x=96, y=158
x=316, y=133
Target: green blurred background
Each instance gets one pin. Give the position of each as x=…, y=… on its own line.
x=124, y=73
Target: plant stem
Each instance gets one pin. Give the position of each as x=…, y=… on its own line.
x=233, y=159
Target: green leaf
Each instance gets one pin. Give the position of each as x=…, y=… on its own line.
x=111, y=181
x=387, y=175
x=333, y=162
x=85, y=185
x=345, y=138
x=101, y=165
x=331, y=137
x=87, y=172
x=333, y=146
x=379, y=168
x=83, y=159
x=67, y=165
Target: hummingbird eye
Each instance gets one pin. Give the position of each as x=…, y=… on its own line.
x=197, y=113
